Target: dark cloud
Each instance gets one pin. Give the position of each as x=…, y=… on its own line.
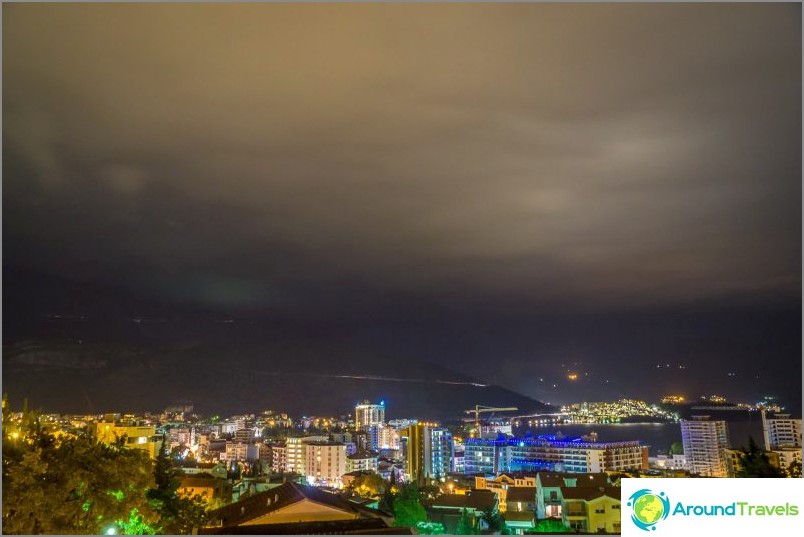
x=336, y=160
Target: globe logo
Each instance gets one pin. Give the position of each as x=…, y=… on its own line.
x=648, y=508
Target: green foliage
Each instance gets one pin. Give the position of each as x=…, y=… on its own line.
x=754, y=462
x=430, y=490
x=494, y=520
x=177, y=514
x=135, y=525
x=408, y=509
x=369, y=485
x=551, y=527
x=465, y=525
x=430, y=528
x=71, y=485
x=676, y=448
x=794, y=470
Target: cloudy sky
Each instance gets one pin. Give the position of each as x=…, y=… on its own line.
x=499, y=188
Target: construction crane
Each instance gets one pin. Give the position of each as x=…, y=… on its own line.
x=480, y=408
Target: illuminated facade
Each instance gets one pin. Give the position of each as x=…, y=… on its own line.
x=430, y=451
x=138, y=437
x=705, y=442
x=325, y=462
x=493, y=457
x=296, y=453
x=370, y=418
x=781, y=431
x=592, y=509
x=368, y=414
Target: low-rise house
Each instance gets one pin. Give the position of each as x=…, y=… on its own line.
x=211, y=488
x=290, y=503
x=520, y=508
x=592, y=509
x=447, y=508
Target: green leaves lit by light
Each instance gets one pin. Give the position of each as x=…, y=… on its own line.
x=117, y=494
x=430, y=528
x=86, y=506
x=135, y=525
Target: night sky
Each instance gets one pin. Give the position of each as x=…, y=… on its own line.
x=514, y=192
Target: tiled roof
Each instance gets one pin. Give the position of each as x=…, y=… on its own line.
x=555, y=479
x=475, y=499
x=590, y=493
x=200, y=480
x=366, y=526
x=521, y=494
x=286, y=494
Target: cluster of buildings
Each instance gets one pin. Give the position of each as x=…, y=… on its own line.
x=615, y=412
x=267, y=469
x=708, y=450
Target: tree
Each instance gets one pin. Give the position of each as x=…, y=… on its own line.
x=408, y=510
x=430, y=528
x=465, y=525
x=177, y=514
x=794, y=469
x=369, y=485
x=73, y=485
x=551, y=526
x=676, y=448
x=755, y=463
x=494, y=520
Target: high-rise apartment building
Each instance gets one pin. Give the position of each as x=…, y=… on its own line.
x=705, y=442
x=492, y=457
x=296, y=453
x=430, y=451
x=325, y=462
x=368, y=414
x=370, y=418
x=781, y=431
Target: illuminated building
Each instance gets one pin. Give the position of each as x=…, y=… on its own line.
x=492, y=457
x=488, y=457
x=459, y=458
x=368, y=414
x=231, y=427
x=325, y=462
x=182, y=436
x=787, y=456
x=781, y=430
x=138, y=437
x=279, y=458
x=550, y=489
x=669, y=462
x=365, y=461
x=370, y=418
x=205, y=485
x=389, y=438
x=503, y=484
x=705, y=442
x=296, y=453
x=240, y=452
x=592, y=509
x=430, y=451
